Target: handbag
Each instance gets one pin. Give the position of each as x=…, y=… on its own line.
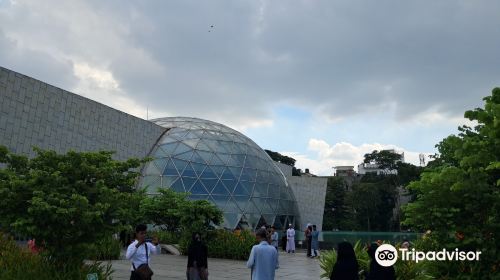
x=144, y=272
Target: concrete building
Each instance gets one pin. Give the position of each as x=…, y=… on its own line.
x=210, y=160
x=310, y=193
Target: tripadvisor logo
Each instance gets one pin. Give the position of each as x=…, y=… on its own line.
x=387, y=255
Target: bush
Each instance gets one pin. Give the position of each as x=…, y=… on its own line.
x=328, y=259
x=106, y=249
x=224, y=244
x=166, y=237
x=20, y=264
x=228, y=245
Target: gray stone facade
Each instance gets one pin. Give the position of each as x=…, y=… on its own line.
x=33, y=113
x=310, y=193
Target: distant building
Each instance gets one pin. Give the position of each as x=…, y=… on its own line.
x=344, y=171
x=366, y=168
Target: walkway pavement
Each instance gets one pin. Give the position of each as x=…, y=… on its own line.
x=292, y=267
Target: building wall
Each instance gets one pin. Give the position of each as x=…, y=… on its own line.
x=33, y=113
x=310, y=193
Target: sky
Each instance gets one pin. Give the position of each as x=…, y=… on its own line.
x=322, y=81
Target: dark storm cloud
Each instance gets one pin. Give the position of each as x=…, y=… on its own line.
x=336, y=57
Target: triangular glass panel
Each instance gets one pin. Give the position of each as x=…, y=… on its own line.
x=269, y=219
x=152, y=169
x=182, y=148
x=248, y=186
x=208, y=173
x=241, y=201
x=253, y=220
x=274, y=191
x=188, y=171
x=236, y=171
x=188, y=182
x=169, y=148
x=212, y=144
x=197, y=158
x=191, y=135
x=220, y=189
x=247, y=174
x=220, y=201
x=167, y=181
x=262, y=222
x=209, y=184
x=240, y=190
x=260, y=190
x=166, y=140
x=170, y=169
x=191, y=142
x=178, y=186
x=224, y=146
x=230, y=184
x=198, y=168
x=185, y=156
x=198, y=188
x=160, y=153
x=227, y=174
x=203, y=146
x=180, y=164
x=221, y=159
x=274, y=204
x=263, y=205
x=232, y=207
x=218, y=170
x=231, y=220
x=239, y=160
x=252, y=208
x=161, y=163
x=206, y=156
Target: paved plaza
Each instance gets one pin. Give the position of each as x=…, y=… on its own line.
x=292, y=267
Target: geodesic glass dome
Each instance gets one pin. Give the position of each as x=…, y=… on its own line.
x=221, y=165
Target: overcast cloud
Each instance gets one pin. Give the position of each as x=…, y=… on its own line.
x=419, y=64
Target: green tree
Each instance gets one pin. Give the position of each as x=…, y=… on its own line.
x=66, y=201
x=337, y=213
x=459, y=194
x=385, y=159
x=175, y=212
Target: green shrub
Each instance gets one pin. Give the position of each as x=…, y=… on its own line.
x=20, y=264
x=224, y=244
x=404, y=269
x=106, y=249
x=328, y=259
x=166, y=237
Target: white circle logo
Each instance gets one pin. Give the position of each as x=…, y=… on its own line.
x=386, y=255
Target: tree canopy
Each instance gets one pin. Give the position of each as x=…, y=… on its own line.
x=458, y=196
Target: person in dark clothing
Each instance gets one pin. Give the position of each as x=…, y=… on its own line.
x=283, y=241
x=308, y=236
x=197, y=266
x=378, y=272
x=346, y=267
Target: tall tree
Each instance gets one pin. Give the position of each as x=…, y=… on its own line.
x=66, y=201
x=459, y=195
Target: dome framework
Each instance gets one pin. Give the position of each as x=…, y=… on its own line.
x=219, y=164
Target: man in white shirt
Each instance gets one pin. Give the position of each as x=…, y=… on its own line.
x=136, y=251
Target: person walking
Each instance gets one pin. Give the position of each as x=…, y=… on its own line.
x=308, y=239
x=197, y=265
x=315, y=242
x=346, y=267
x=263, y=259
x=290, y=239
x=139, y=252
x=274, y=238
